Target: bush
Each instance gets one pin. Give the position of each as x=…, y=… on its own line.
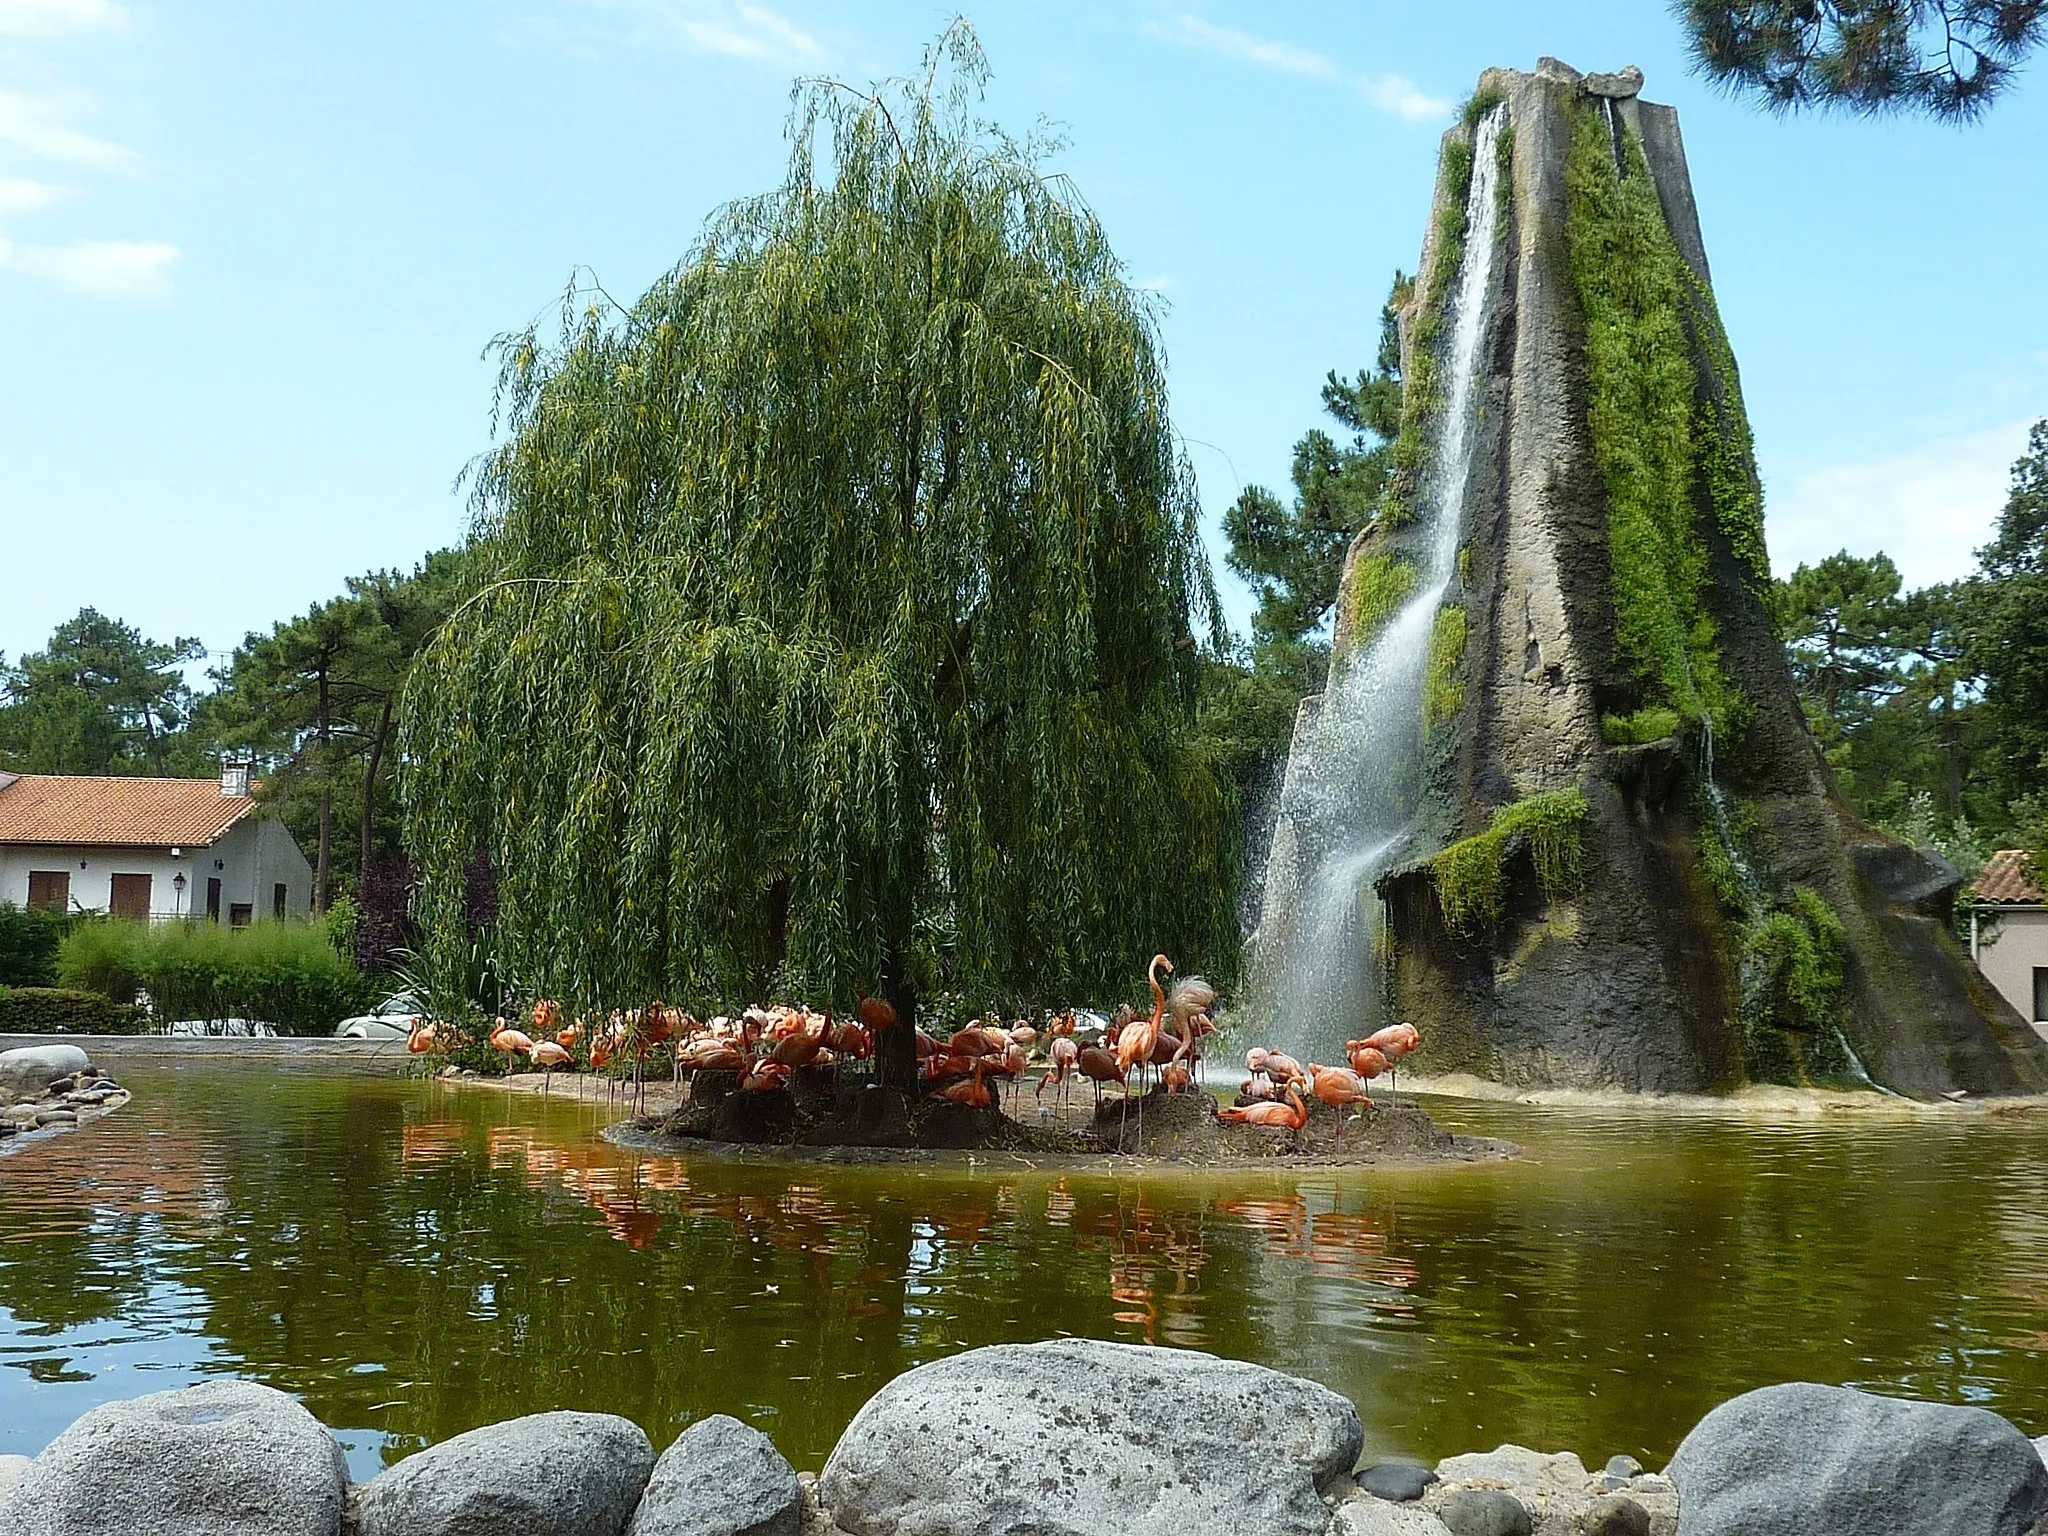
x=28, y=944
x=286, y=974
x=65, y=1011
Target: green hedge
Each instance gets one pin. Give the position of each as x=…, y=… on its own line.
x=283, y=973
x=28, y=944
x=66, y=1011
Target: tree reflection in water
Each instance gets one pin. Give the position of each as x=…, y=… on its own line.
x=414, y=1261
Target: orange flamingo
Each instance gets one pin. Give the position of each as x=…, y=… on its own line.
x=422, y=1038
x=970, y=1090
x=801, y=1048
x=511, y=1041
x=1292, y=1115
x=1340, y=1089
x=1137, y=1040
x=1394, y=1042
x=765, y=1078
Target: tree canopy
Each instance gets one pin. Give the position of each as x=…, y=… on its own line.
x=1293, y=556
x=1950, y=58
x=845, y=604
x=100, y=699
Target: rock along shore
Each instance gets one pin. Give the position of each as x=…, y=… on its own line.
x=1071, y=1437
x=51, y=1088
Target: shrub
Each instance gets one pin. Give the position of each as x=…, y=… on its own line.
x=29, y=937
x=286, y=974
x=66, y=1011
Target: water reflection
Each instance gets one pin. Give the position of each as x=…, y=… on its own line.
x=414, y=1261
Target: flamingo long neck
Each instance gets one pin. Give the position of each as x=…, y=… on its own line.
x=1158, y=994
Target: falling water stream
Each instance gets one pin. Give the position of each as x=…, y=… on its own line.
x=1349, y=803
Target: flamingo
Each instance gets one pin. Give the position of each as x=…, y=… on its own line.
x=1098, y=1064
x=1339, y=1089
x=422, y=1038
x=547, y=1055
x=801, y=1048
x=1394, y=1042
x=970, y=1090
x=511, y=1041
x=1063, y=1053
x=765, y=1077
x=1292, y=1115
x=1284, y=1069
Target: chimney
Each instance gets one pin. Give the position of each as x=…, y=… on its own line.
x=234, y=777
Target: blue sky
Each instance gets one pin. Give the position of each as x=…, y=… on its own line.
x=250, y=254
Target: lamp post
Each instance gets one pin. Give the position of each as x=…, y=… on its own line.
x=178, y=894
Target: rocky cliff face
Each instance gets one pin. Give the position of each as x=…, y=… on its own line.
x=1626, y=863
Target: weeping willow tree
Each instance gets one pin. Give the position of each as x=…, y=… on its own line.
x=845, y=607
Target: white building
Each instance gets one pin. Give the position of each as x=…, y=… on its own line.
x=2009, y=934
x=148, y=848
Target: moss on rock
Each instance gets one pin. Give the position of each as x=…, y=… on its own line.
x=1443, y=691
x=1470, y=876
x=1380, y=584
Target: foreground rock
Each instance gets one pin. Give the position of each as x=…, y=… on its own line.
x=720, y=1478
x=1081, y=1438
x=1511, y=1491
x=1807, y=1460
x=225, y=1458
x=31, y=1069
x=549, y=1474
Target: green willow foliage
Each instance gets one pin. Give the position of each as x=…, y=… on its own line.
x=848, y=605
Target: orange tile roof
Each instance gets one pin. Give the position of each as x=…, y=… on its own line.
x=2004, y=880
x=116, y=813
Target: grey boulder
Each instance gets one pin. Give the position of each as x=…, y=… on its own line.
x=1076, y=1437
x=1483, y=1512
x=1622, y=84
x=32, y=1068
x=549, y=1474
x=225, y=1458
x=12, y=1470
x=1809, y=1460
x=720, y=1478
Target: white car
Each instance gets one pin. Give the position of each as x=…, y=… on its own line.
x=391, y=1019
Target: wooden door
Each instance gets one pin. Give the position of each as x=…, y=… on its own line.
x=130, y=896
x=49, y=889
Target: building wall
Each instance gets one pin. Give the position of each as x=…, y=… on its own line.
x=255, y=854
x=2009, y=951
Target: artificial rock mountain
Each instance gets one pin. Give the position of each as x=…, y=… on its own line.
x=1623, y=862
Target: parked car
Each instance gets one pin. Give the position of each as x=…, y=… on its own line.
x=391, y=1019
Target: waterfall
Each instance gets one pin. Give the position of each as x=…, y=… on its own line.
x=1348, y=806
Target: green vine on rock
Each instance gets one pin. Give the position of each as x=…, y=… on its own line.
x=1470, y=876
x=1644, y=406
x=1798, y=951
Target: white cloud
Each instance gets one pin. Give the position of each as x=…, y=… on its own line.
x=125, y=269
x=1929, y=508
x=48, y=18
x=734, y=30
x=1193, y=32
x=40, y=125
x=1404, y=98
x=1389, y=93
x=18, y=194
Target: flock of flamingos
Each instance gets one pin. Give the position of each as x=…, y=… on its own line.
x=766, y=1045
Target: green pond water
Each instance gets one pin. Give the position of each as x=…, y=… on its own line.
x=413, y=1260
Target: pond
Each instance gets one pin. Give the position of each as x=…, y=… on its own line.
x=413, y=1260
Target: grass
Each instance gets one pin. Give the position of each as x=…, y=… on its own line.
x=1470, y=876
